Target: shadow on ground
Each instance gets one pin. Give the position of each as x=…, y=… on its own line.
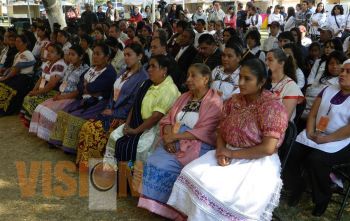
x=17, y=145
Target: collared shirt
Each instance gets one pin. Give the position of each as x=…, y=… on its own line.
x=182, y=50
x=159, y=98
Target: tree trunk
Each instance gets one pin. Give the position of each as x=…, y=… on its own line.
x=54, y=13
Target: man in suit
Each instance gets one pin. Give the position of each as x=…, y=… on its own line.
x=158, y=47
x=186, y=54
x=208, y=52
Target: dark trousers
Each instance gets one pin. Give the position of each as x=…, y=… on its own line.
x=318, y=165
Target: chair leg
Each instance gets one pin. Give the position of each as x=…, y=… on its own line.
x=341, y=210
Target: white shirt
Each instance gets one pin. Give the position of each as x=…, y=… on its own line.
x=339, y=116
x=290, y=23
x=216, y=15
x=38, y=46
x=300, y=78
x=197, y=16
x=306, y=41
x=270, y=43
x=276, y=17
x=346, y=44
x=181, y=51
x=227, y=84
x=255, y=51
x=321, y=19
x=66, y=47
x=254, y=21
x=25, y=56
x=316, y=71
x=331, y=23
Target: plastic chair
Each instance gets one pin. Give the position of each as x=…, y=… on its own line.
x=284, y=151
x=286, y=147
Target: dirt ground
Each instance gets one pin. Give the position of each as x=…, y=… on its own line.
x=18, y=147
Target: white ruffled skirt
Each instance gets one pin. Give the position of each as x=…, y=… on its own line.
x=243, y=190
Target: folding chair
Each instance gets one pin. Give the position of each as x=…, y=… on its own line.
x=343, y=172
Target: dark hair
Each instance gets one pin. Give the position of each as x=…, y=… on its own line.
x=290, y=12
x=32, y=39
x=315, y=44
x=207, y=39
x=162, y=60
x=339, y=56
x=336, y=43
x=201, y=21
x=237, y=40
x=231, y=31
x=46, y=30
x=258, y=69
x=58, y=49
x=115, y=26
x=255, y=35
x=137, y=48
x=182, y=24
x=64, y=33
x=191, y=32
x=297, y=54
x=231, y=43
x=105, y=49
x=317, y=8
x=289, y=66
x=80, y=51
x=297, y=30
x=340, y=7
x=162, y=41
x=286, y=35
x=204, y=71
x=162, y=33
x=24, y=39
x=87, y=38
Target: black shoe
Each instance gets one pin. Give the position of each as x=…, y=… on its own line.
x=319, y=209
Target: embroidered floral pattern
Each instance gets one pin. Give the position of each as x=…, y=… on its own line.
x=216, y=206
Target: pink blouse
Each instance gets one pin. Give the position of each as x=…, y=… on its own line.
x=230, y=21
x=245, y=124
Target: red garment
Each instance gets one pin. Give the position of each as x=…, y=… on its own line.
x=245, y=124
x=204, y=130
x=230, y=21
x=137, y=18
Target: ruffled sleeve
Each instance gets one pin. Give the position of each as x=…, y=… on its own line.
x=273, y=119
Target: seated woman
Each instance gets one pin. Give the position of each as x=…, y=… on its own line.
x=188, y=132
x=283, y=80
x=328, y=78
x=46, y=87
x=45, y=114
x=94, y=134
x=325, y=142
x=18, y=80
x=94, y=88
x=240, y=180
x=225, y=77
x=291, y=49
x=133, y=140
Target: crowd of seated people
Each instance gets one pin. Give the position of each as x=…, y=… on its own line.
x=203, y=104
